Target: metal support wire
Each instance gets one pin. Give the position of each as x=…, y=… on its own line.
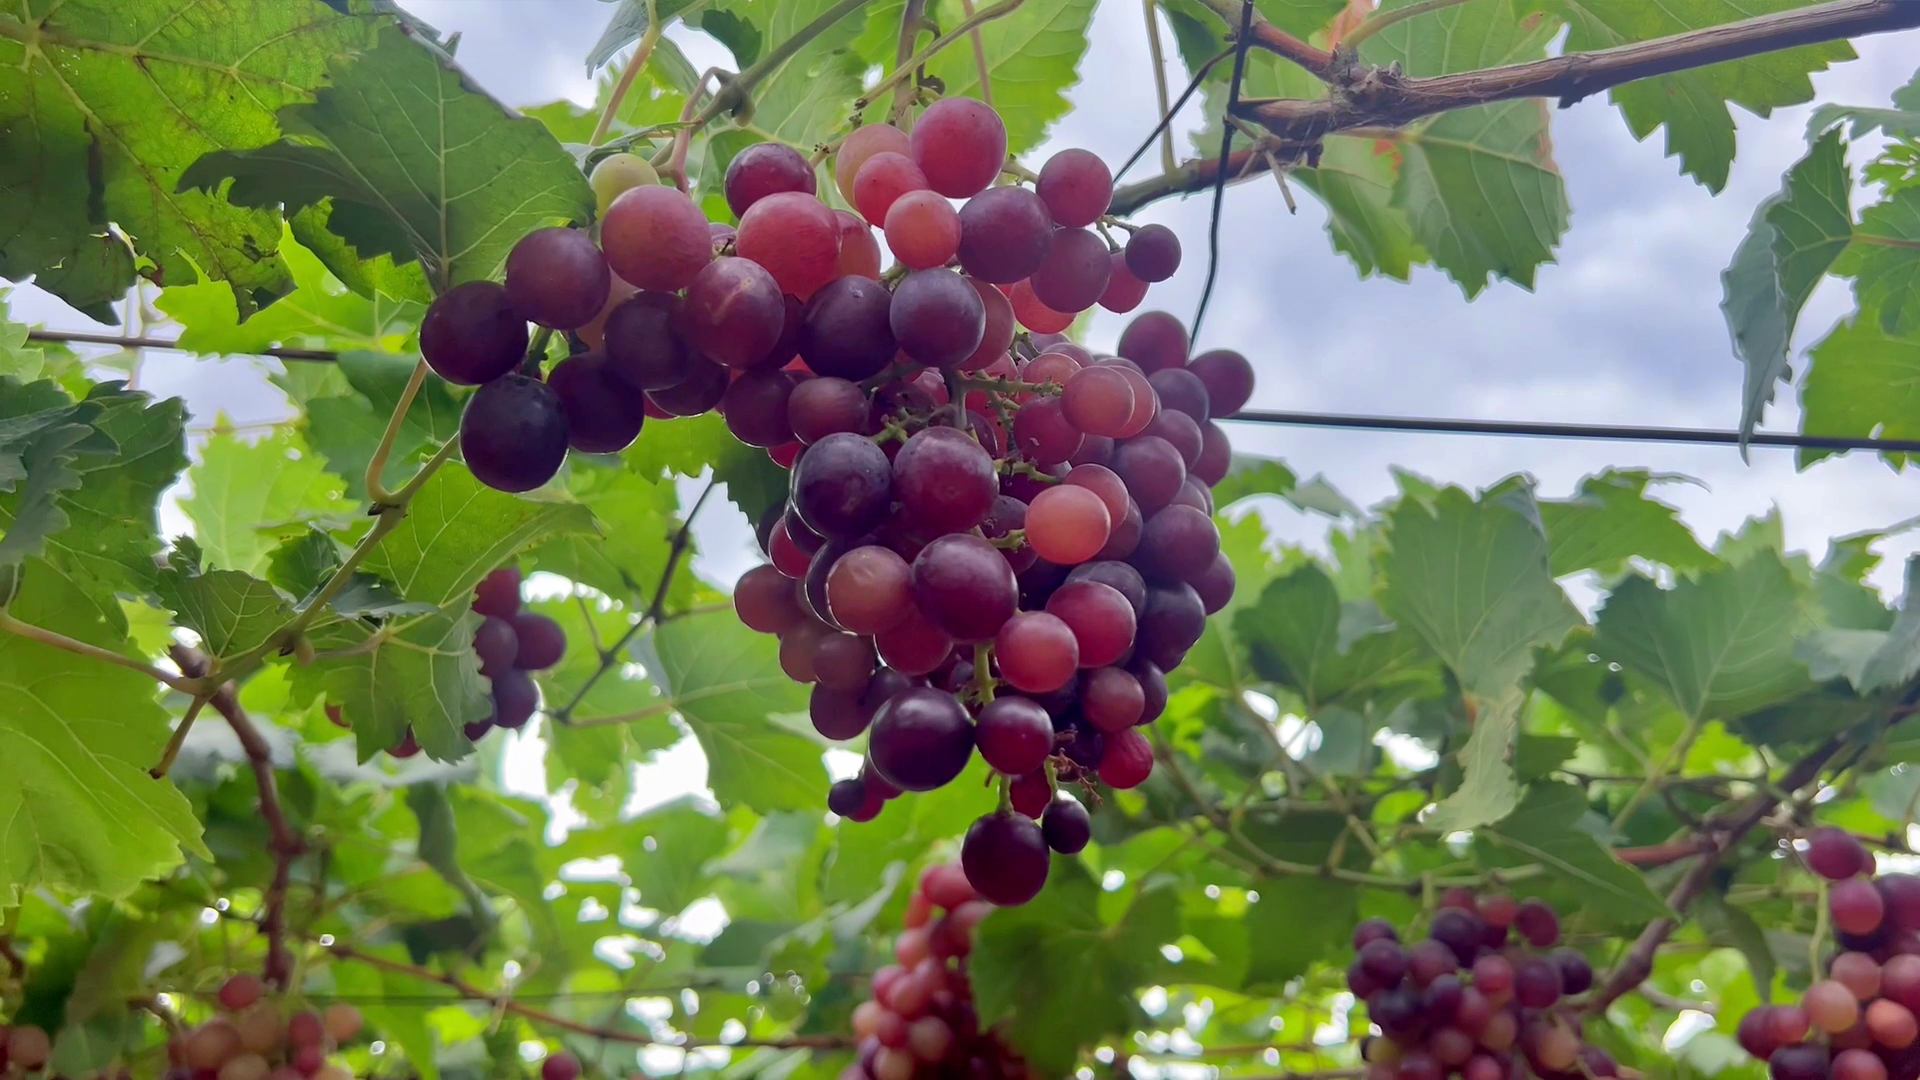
x=1598, y=432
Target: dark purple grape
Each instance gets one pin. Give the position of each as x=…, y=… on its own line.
x=1576, y=974
x=1066, y=825
x=1835, y=855
x=733, y=312
x=1456, y=929
x=498, y=594
x=843, y=714
x=945, y=481
x=514, y=434
x=846, y=797
x=1125, y=537
x=472, y=335
x=643, y=346
x=1152, y=470
x=701, y=390
x=1215, y=586
x=821, y=406
x=843, y=662
x=1442, y=997
x=1181, y=433
x=1087, y=746
x=541, y=641
x=1807, y=1061
x=764, y=169
x=1400, y=1012
x=603, y=414
x=1153, y=253
x=1005, y=858
x=921, y=739
x=1182, y=391
x=558, y=278
x=1153, y=685
x=1008, y=514
x=1121, y=577
x=846, y=330
x=843, y=486
x=755, y=406
x=1178, y=544
x=1429, y=960
x=1004, y=234
x=1537, y=923
x=1216, y=454
x=1154, y=339
x=1536, y=983
x=963, y=585
x=1171, y=624
x=1228, y=378
x=937, y=318
x=496, y=646
x=1075, y=271
x=514, y=699
x=1385, y=962
x=1015, y=735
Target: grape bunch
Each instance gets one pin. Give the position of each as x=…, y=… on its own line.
x=921, y=1021
x=252, y=1039
x=1479, y=998
x=1859, y=1022
x=784, y=323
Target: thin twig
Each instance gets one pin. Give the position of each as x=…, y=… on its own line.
x=738, y=90
x=635, y=65
x=56, y=640
x=316, y=356
x=1166, y=120
x=377, y=492
x=171, y=752
x=1226, y=153
x=1262, y=34
x=912, y=21
x=1158, y=54
x=933, y=48
x=979, y=54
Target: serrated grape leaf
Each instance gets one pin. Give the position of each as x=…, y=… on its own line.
x=303, y=564
x=1862, y=381
x=668, y=853
x=809, y=95
x=1249, y=476
x=346, y=427
x=82, y=814
x=231, y=611
x=1033, y=59
x=45, y=437
x=1610, y=520
x=626, y=558
x=630, y=21
x=1794, y=237
x=1884, y=261
x=725, y=682
x=1472, y=579
x=1694, y=105
x=1543, y=831
x=457, y=530
x=456, y=193
x=248, y=496
x=104, y=103
x=1479, y=186
x=622, y=720
x=1734, y=928
x=1898, y=659
x=1720, y=644
x=1020, y=951
x=417, y=673
x=1298, y=634
x=1355, y=179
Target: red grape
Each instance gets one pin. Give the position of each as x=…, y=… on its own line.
x=471, y=334
x=603, y=415
x=241, y=991
x=1074, y=274
x=1153, y=253
x=859, y=251
x=702, y=389
x=766, y=601
x=734, y=313
x=765, y=169
x=1180, y=390
x=560, y=1066
x=921, y=739
x=1858, y=972
x=1111, y=699
x=963, y=585
x=557, y=277
x=859, y=145
x=824, y=406
x=1101, y=620
x=1031, y=793
x=923, y=231
x=995, y=339
x=846, y=330
x=513, y=434
x=1037, y=653
x=843, y=661
x=1830, y=1006
x=1005, y=857
x=498, y=594
x=1067, y=525
x=1124, y=291
x=1154, y=340
x=881, y=181
x=915, y=645
x=1228, y=378
x=1043, y=433
x=755, y=407
x=1183, y=435
x=1856, y=906
x=937, y=317
x=1014, y=734
x=944, y=480
x=1076, y=186
x=1146, y=403
x=842, y=485
x=1835, y=855
x=1098, y=401
x=1857, y=1065
x=961, y=145
x=642, y=342
x=795, y=237
x=1032, y=313
x=1004, y=234
x=656, y=238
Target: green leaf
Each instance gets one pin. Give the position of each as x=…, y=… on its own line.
x=301, y=565
x=231, y=611
x=1300, y=635
x=456, y=194
x=1479, y=186
x=1489, y=788
x=1898, y=659
x=1472, y=579
x=113, y=530
x=1719, y=644
x=1863, y=381
x=674, y=843
x=1693, y=105
x=85, y=816
x=629, y=22
x=1732, y=927
x=1020, y=950
x=44, y=438
x=104, y=103
x=1543, y=832
x=457, y=531
x=419, y=672
x=1794, y=237
x=1033, y=59
x=1884, y=261
x=807, y=97
x=1250, y=476
x=249, y=495
x=1355, y=179
x=725, y=681
x=1612, y=520
x=626, y=558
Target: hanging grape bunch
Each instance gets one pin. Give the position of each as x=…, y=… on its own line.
x=253, y=1039
x=921, y=1020
x=1858, y=1021
x=1482, y=997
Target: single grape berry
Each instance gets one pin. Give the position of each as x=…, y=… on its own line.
x=656, y=238
x=1154, y=340
x=961, y=145
x=859, y=145
x=241, y=991
x=1153, y=253
x=1014, y=735
x=1076, y=186
x=1005, y=233
x=513, y=434
x=1005, y=858
x=963, y=585
x=1066, y=825
x=1127, y=760
x=923, y=230
x=795, y=237
x=617, y=174
x=846, y=329
x=921, y=739
x=945, y=481
x=764, y=169
x=843, y=485
x=560, y=1066
x=937, y=318
x=734, y=313
x=558, y=278
x=1856, y=906
x=1037, y=653
x=1835, y=855
x=1536, y=922
x=643, y=345
x=1074, y=274
x=498, y=594
x=471, y=334
x=1228, y=378
x=603, y=414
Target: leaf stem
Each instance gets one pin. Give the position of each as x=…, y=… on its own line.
x=635, y=64
x=979, y=54
x=179, y=738
x=376, y=490
x=1676, y=755
x=53, y=639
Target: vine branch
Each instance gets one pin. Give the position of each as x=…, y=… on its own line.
x=77, y=337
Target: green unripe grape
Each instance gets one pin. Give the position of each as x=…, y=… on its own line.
x=617, y=174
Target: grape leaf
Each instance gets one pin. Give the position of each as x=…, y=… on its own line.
x=1612, y=520
x=1355, y=178
x=1794, y=237
x=247, y=496
x=1719, y=644
x=231, y=611
x=417, y=673
x=626, y=558
x=1033, y=59
x=1898, y=659
x=1543, y=831
x=44, y=438
x=457, y=531
x=1250, y=476
x=1862, y=381
x=1884, y=261
x=1020, y=948
x=345, y=428
x=82, y=813
x=672, y=845
x=1693, y=105
x=1299, y=635
x=104, y=103
x=456, y=194
x=1479, y=186
x=630, y=21
x=725, y=681
x=806, y=98
x=1471, y=578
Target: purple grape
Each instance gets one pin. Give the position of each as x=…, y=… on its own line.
x=734, y=313
x=643, y=346
x=557, y=277
x=1004, y=235
x=846, y=330
x=1121, y=577
x=764, y=169
x=937, y=318
x=1015, y=735
x=603, y=414
x=1005, y=858
x=961, y=583
x=496, y=646
x=921, y=739
x=471, y=334
x=945, y=481
x=514, y=434
x=1066, y=825
x=702, y=389
x=514, y=699
x=843, y=486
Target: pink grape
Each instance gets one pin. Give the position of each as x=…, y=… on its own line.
x=961, y=146
x=795, y=237
x=765, y=169
x=923, y=231
x=1067, y=525
x=1076, y=186
x=1037, y=652
x=656, y=238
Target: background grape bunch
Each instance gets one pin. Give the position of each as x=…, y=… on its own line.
x=253, y=1038
x=1483, y=996
x=1858, y=1021
x=920, y=1021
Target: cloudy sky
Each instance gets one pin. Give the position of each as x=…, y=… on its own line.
x=1625, y=328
